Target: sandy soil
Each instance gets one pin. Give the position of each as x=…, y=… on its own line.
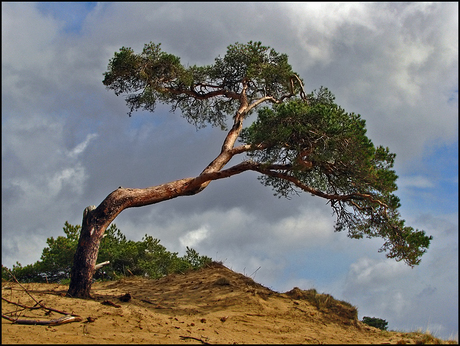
x=212, y=305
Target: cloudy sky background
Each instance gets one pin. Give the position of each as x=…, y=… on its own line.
x=67, y=142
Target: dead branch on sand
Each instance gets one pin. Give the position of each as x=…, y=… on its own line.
x=69, y=317
x=62, y=320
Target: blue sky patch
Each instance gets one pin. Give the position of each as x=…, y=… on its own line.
x=72, y=13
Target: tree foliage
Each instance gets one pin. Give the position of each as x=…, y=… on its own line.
x=146, y=257
x=300, y=143
x=204, y=94
x=317, y=147
x=127, y=257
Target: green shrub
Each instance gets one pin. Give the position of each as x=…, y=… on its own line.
x=146, y=258
x=375, y=322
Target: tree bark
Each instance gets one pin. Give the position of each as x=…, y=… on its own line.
x=96, y=220
x=85, y=257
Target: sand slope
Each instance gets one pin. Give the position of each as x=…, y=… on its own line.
x=212, y=305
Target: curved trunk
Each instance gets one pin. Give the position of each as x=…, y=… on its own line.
x=96, y=220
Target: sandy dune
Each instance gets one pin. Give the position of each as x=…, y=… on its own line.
x=212, y=305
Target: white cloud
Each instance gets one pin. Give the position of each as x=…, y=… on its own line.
x=310, y=227
x=417, y=181
x=73, y=177
x=317, y=23
x=371, y=274
x=80, y=148
x=193, y=238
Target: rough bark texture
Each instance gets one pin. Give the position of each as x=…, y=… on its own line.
x=85, y=257
x=96, y=221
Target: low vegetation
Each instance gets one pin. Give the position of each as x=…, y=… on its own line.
x=375, y=322
x=148, y=258
x=127, y=257
x=326, y=303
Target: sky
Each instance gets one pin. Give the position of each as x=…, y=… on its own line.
x=67, y=142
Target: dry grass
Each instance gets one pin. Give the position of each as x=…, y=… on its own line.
x=422, y=338
x=326, y=303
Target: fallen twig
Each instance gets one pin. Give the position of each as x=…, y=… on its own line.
x=62, y=320
x=22, y=305
x=147, y=301
x=65, y=319
x=41, y=306
x=14, y=277
x=108, y=302
x=192, y=337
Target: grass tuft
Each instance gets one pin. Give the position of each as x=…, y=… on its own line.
x=325, y=302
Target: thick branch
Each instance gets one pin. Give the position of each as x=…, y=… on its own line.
x=271, y=170
x=123, y=198
x=226, y=153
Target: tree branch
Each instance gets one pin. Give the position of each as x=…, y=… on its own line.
x=248, y=147
x=292, y=93
x=55, y=322
x=268, y=170
x=100, y=265
x=199, y=96
x=269, y=99
x=302, y=93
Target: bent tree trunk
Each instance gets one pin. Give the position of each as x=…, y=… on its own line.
x=205, y=94
x=96, y=220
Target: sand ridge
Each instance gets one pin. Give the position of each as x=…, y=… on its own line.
x=212, y=305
